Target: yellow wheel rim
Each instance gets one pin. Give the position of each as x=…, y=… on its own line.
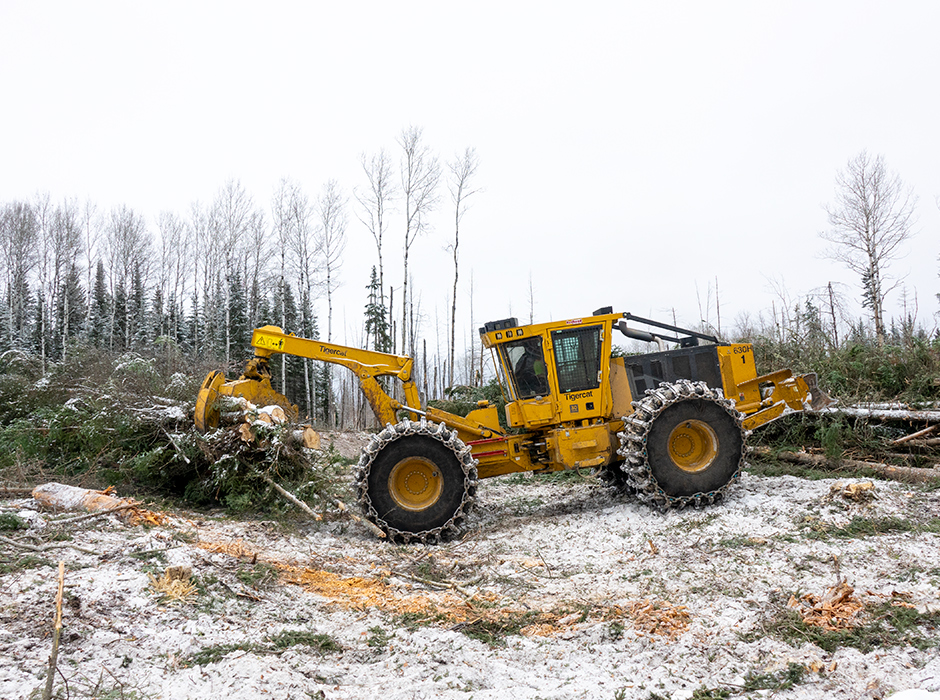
x=693, y=445
x=415, y=483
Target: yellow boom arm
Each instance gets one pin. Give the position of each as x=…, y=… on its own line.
x=255, y=382
x=366, y=364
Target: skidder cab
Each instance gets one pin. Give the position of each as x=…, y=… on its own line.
x=669, y=425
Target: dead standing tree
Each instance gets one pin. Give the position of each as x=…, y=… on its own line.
x=462, y=169
x=872, y=216
x=420, y=174
x=331, y=242
x=373, y=201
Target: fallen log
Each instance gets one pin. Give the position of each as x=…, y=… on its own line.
x=887, y=412
x=64, y=497
x=907, y=474
x=919, y=434
x=58, y=497
x=929, y=442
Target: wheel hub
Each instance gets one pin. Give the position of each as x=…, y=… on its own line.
x=693, y=445
x=415, y=483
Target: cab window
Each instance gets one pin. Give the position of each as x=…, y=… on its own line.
x=525, y=361
x=577, y=358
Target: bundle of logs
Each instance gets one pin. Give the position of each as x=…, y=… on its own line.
x=921, y=444
x=243, y=416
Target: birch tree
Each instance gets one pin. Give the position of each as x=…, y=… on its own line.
x=19, y=236
x=872, y=216
x=176, y=260
x=127, y=248
x=420, y=174
x=331, y=242
x=256, y=260
x=91, y=227
x=375, y=201
x=204, y=258
x=462, y=170
x=66, y=246
x=283, y=209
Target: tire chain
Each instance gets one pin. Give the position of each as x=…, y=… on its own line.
x=636, y=432
x=448, y=438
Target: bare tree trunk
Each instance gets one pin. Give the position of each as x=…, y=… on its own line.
x=832, y=312
x=374, y=201
x=462, y=171
x=420, y=174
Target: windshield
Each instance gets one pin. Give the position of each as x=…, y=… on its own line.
x=525, y=362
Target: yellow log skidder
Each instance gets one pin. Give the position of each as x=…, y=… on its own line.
x=669, y=426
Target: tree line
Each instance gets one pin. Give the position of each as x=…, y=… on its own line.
x=197, y=283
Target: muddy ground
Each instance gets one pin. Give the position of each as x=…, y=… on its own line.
x=559, y=589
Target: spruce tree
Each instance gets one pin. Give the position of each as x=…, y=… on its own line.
x=171, y=320
x=70, y=312
x=99, y=316
x=157, y=318
x=376, y=323
x=17, y=316
x=39, y=343
x=138, y=322
x=194, y=340
x=213, y=319
x=119, y=331
x=290, y=367
x=239, y=334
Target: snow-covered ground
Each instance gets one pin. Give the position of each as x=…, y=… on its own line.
x=560, y=589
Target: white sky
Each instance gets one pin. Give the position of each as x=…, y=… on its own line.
x=631, y=153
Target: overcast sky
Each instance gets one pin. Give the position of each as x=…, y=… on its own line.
x=631, y=153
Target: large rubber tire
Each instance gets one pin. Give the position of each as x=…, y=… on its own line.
x=683, y=445
x=417, y=481
x=694, y=447
x=614, y=476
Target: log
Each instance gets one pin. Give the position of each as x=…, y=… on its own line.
x=886, y=412
x=272, y=415
x=907, y=474
x=308, y=437
x=930, y=442
x=246, y=433
x=64, y=497
x=231, y=417
x=304, y=436
x=913, y=436
x=276, y=412
x=368, y=523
